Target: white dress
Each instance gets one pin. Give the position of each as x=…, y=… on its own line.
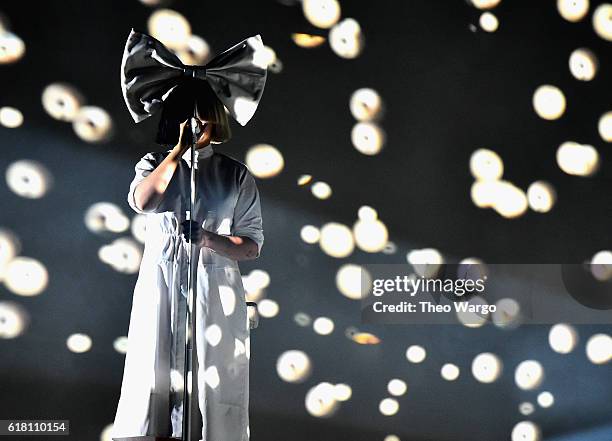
x=152, y=388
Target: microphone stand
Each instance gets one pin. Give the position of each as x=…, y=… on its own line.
x=190, y=322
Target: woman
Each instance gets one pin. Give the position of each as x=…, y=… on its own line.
x=227, y=227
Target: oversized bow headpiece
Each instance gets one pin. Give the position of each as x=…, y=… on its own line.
x=150, y=71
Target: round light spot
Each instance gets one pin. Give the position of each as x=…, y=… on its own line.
x=541, y=196
x=169, y=27
x=487, y=367
x=397, y=387
x=302, y=319
x=526, y=408
x=392, y=438
x=196, y=51
x=28, y=179
x=12, y=47
x=106, y=216
x=14, y=319
x=321, y=190
x=139, y=227
x=486, y=165
x=450, y=372
x=529, y=375
x=365, y=104
x=25, y=276
x=123, y=255
x=93, y=124
x=599, y=349
x=323, y=326
x=370, y=236
x=484, y=193
x=321, y=400
x=260, y=278
x=573, y=10
x=79, y=343
x=549, y=102
x=526, y=431
x=473, y=318
x=304, y=179
x=562, y=338
x=507, y=314
x=342, y=392
x=353, y=281
x=307, y=40
x=602, y=21
x=121, y=344
x=583, y=64
x=346, y=38
x=416, y=354
x=510, y=201
x=366, y=213
x=293, y=366
x=62, y=101
x=368, y=138
x=388, y=406
x=268, y=308
x=336, y=240
x=546, y=399
x=577, y=159
x=321, y=13
x=605, y=126
x=488, y=22
x=601, y=265
x=10, y=117
x=426, y=262
x=310, y=234
x=264, y=160
x=213, y=335
x=485, y=4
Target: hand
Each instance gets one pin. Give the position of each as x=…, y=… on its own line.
x=196, y=231
x=185, y=135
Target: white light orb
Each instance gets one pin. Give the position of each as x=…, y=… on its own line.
x=426, y=262
x=321, y=190
x=450, y=372
x=25, y=276
x=353, y=281
x=529, y=375
x=323, y=325
x=392, y=438
x=487, y=367
x=106, y=216
x=342, y=392
x=526, y=431
x=573, y=10
x=62, y=101
x=366, y=213
x=388, y=406
x=416, y=354
x=346, y=38
x=577, y=159
x=365, y=104
x=93, y=124
x=397, y=387
x=121, y=344
x=321, y=400
x=304, y=179
x=293, y=366
x=510, y=201
x=123, y=255
x=259, y=278
x=485, y=4
x=268, y=308
x=28, y=178
x=12, y=47
x=10, y=117
x=310, y=234
x=601, y=265
x=602, y=21
x=302, y=319
x=484, y=193
x=367, y=138
x=321, y=13
x=605, y=126
x=336, y=240
x=583, y=64
x=170, y=27
x=541, y=196
x=10, y=247
x=264, y=160
x=507, y=314
x=546, y=399
x=307, y=40
x=473, y=319
x=599, y=348
x=370, y=236
x=79, y=343
x=562, y=338
x=14, y=319
x=549, y=102
x=486, y=165
x=488, y=22
x=196, y=51
x=526, y=408
x=139, y=227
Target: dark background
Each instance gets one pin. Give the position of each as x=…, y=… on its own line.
x=447, y=90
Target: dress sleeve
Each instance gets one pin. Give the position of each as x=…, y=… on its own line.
x=143, y=168
x=247, y=220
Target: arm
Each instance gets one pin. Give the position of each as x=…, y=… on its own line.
x=234, y=247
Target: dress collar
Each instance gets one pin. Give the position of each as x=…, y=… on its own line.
x=201, y=153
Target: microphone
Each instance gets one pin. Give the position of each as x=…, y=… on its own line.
x=196, y=130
